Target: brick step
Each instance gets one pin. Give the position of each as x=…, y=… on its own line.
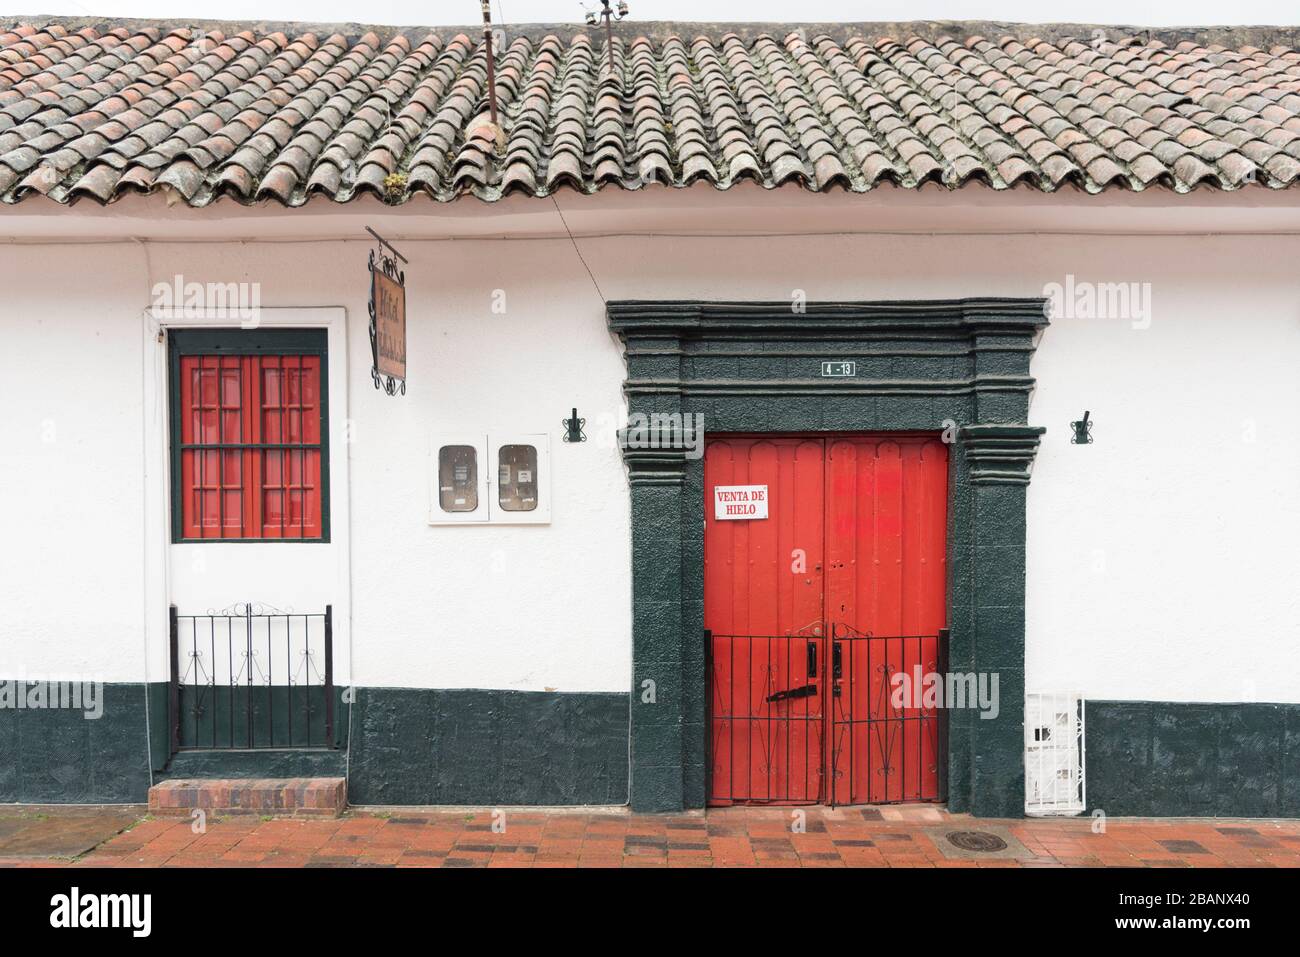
x=316, y=797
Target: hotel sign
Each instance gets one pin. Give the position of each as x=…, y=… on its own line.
x=390, y=326
x=387, y=321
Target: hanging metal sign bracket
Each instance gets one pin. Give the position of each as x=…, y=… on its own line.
x=387, y=309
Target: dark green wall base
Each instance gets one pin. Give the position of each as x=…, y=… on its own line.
x=1159, y=759
x=428, y=746
x=408, y=747
x=57, y=756
x=413, y=746
x=263, y=763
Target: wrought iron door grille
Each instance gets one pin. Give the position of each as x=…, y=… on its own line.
x=814, y=719
x=766, y=720
x=252, y=676
x=888, y=722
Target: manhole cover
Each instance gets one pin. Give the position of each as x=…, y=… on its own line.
x=976, y=841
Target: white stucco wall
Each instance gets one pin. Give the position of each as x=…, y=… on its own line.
x=493, y=607
x=71, y=533
x=1161, y=563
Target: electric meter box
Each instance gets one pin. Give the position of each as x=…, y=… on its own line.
x=501, y=478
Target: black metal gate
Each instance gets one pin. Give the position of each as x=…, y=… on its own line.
x=252, y=676
x=888, y=721
x=766, y=718
x=783, y=710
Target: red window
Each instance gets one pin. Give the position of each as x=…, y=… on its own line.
x=250, y=449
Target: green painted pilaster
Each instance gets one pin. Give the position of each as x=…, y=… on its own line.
x=999, y=460
x=658, y=757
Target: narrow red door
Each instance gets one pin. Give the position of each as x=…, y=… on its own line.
x=763, y=599
x=854, y=543
x=886, y=583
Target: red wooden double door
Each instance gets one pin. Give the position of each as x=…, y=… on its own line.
x=824, y=618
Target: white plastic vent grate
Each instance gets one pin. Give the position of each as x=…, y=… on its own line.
x=1054, y=749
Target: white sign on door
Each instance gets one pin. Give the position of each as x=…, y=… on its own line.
x=732, y=502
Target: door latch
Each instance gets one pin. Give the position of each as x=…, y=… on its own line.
x=790, y=694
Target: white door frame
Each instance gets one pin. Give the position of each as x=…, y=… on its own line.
x=157, y=471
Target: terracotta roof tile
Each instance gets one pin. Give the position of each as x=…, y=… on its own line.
x=284, y=116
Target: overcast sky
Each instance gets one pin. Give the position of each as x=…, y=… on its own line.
x=1155, y=13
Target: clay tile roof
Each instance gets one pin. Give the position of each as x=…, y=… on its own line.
x=286, y=113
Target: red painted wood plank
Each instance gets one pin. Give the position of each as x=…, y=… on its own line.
x=855, y=539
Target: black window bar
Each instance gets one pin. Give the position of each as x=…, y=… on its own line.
x=251, y=676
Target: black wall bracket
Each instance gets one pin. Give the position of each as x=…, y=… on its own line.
x=1082, y=431
x=573, y=428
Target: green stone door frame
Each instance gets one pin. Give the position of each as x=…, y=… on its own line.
x=957, y=367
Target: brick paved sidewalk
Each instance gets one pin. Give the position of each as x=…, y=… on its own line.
x=732, y=837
